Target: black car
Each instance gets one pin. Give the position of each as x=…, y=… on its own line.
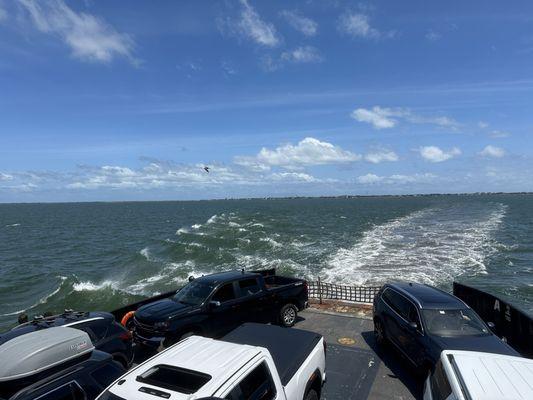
x=106, y=334
x=59, y=365
x=422, y=321
x=215, y=304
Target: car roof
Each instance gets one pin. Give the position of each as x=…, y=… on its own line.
x=490, y=376
x=227, y=276
x=215, y=358
x=428, y=297
x=65, y=319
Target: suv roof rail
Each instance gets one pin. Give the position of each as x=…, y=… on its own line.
x=37, y=351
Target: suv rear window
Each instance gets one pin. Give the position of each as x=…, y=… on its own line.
x=174, y=378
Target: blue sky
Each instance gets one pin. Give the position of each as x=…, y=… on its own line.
x=99, y=101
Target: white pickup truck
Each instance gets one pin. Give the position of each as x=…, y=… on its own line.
x=472, y=375
x=255, y=361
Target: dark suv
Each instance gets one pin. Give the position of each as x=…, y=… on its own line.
x=106, y=334
x=422, y=321
x=55, y=364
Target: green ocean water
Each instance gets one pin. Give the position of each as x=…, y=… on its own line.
x=104, y=255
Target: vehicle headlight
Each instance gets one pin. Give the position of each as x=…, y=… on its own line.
x=161, y=325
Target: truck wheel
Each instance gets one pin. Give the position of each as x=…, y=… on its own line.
x=311, y=395
x=287, y=315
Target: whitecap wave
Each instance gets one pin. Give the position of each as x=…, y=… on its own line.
x=196, y=226
x=270, y=241
x=181, y=231
x=431, y=246
x=212, y=220
x=43, y=300
x=88, y=286
x=12, y=225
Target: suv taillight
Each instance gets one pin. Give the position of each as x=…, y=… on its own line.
x=126, y=336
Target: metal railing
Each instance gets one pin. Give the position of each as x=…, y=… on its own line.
x=329, y=291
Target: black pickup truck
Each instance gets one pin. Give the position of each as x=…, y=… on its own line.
x=215, y=304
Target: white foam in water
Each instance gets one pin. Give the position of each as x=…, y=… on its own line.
x=270, y=241
x=181, y=231
x=41, y=301
x=431, y=246
x=91, y=286
x=196, y=226
x=212, y=220
x=12, y=226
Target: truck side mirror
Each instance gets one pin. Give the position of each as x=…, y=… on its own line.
x=491, y=325
x=214, y=303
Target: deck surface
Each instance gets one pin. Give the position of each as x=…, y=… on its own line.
x=360, y=370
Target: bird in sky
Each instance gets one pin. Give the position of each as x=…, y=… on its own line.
x=206, y=169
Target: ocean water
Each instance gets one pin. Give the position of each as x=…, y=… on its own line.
x=104, y=255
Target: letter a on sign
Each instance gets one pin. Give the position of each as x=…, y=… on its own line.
x=497, y=305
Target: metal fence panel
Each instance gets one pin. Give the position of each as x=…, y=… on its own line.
x=358, y=294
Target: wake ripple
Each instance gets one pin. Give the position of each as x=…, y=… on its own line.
x=432, y=246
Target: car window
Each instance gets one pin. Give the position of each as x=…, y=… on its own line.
x=463, y=322
x=397, y=302
x=70, y=391
x=412, y=316
x=440, y=387
x=194, y=293
x=107, y=374
x=257, y=385
x=225, y=293
x=248, y=287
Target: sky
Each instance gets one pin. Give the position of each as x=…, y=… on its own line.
x=103, y=101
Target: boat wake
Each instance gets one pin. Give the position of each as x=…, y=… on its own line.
x=432, y=246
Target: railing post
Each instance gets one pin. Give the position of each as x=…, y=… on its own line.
x=319, y=291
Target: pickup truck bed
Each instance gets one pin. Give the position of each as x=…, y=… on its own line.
x=289, y=347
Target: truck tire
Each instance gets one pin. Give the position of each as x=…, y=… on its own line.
x=311, y=395
x=287, y=315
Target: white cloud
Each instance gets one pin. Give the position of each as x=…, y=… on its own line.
x=396, y=179
x=305, y=54
x=499, y=134
x=433, y=36
x=369, y=179
x=250, y=26
x=358, y=25
x=492, y=151
x=379, y=118
x=293, y=177
x=435, y=154
x=3, y=14
x=378, y=156
x=90, y=38
x=5, y=177
x=482, y=124
x=307, y=152
x=384, y=118
x=302, y=24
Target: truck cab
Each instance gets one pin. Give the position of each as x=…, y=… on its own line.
x=199, y=367
x=215, y=304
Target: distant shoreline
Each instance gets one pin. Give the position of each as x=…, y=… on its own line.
x=350, y=196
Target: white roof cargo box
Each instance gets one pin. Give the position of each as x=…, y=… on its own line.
x=37, y=351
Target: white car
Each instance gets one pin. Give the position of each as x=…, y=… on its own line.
x=254, y=361
x=472, y=375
